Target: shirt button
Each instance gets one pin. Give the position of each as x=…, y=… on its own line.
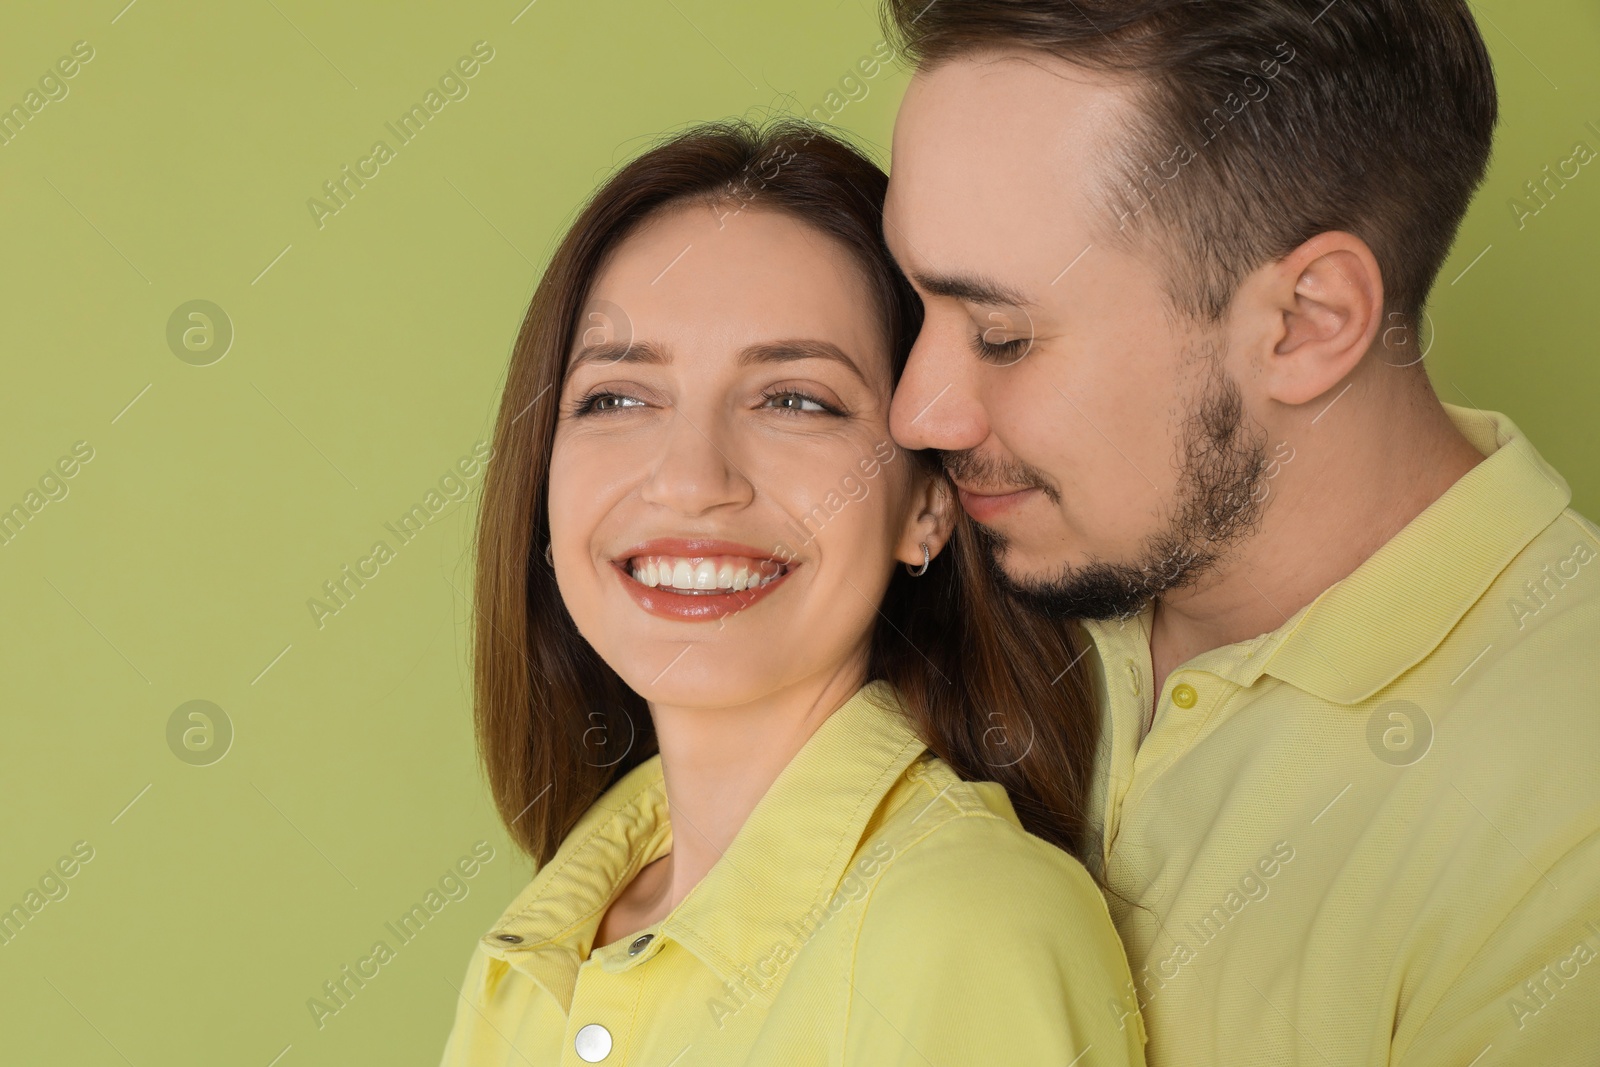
x=593, y=1043
x=1184, y=695
x=1133, y=677
x=513, y=938
x=639, y=944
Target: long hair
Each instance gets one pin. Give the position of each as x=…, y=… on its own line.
x=991, y=689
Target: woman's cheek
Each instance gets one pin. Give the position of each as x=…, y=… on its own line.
x=577, y=497
x=850, y=519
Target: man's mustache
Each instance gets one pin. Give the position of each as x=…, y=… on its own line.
x=975, y=471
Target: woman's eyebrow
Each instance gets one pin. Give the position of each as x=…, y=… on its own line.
x=789, y=351
x=620, y=352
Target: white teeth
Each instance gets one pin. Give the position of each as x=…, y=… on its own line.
x=710, y=575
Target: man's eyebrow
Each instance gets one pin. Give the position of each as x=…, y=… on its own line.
x=619, y=352
x=973, y=288
x=788, y=351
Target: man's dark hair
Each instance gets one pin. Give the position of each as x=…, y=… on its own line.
x=1264, y=122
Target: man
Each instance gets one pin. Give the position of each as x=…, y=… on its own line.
x=1174, y=256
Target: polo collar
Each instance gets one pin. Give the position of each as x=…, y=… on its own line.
x=1386, y=616
x=787, y=859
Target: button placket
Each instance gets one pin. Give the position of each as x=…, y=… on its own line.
x=1179, y=710
x=1122, y=710
x=602, y=1013
x=1188, y=705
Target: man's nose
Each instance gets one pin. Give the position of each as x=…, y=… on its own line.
x=937, y=403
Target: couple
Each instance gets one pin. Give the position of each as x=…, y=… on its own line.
x=1035, y=610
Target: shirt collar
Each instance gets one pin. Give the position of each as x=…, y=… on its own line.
x=1366, y=630
x=788, y=858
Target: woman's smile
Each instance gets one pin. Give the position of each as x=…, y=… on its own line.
x=698, y=580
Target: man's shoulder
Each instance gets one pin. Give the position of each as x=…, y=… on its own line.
x=1513, y=693
x=1571, y=536
x=1539, y=620
x=1571, y=539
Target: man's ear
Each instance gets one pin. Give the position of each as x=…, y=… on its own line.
x=931, y=518
x=1320, y=309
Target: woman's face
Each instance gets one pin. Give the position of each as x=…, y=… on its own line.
x=726, y=505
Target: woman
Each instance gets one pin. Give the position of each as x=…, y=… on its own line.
x=759, y=761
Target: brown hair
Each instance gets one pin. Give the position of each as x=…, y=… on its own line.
x=987, y=686
x=1265, y=122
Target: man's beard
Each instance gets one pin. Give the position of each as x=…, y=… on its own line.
x=1219, y=500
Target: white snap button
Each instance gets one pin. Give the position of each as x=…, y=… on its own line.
x=593, y=1043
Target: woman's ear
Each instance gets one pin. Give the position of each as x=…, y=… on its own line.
x=931, y=518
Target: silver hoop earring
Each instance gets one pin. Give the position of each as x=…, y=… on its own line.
x=547, y=557
x=918, y=572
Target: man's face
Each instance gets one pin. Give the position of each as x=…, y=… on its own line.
x=1095, y=433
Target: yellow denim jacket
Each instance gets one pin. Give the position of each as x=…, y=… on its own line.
x=875, y=910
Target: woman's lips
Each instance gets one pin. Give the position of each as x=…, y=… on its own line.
x=987, y=507
x=697, y=580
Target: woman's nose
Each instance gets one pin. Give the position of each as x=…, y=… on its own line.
x=697, y=469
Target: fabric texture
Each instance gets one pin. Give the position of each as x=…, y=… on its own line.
x=874, y=910
x=1370, y=836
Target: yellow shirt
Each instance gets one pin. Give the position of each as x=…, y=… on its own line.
x=874, y=910
x=1370, y=836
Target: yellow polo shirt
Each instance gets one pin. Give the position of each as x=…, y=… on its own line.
x=1370, y=836
x=874, y=910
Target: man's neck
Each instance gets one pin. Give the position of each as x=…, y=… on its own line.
x=1361, y=470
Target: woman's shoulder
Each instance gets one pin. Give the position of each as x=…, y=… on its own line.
x=954, y=849
x=982, y=940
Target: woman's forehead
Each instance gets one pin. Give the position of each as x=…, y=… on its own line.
x=699, y=281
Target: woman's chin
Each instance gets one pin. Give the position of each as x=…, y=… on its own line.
x=698, y=676
x=681, y=658
x=719, y=647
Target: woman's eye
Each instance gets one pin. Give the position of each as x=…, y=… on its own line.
x=799, y=403
x=600, y=403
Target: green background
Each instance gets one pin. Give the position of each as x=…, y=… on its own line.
x=366, y=361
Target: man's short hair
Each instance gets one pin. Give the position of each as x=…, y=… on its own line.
x=1263, y=123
